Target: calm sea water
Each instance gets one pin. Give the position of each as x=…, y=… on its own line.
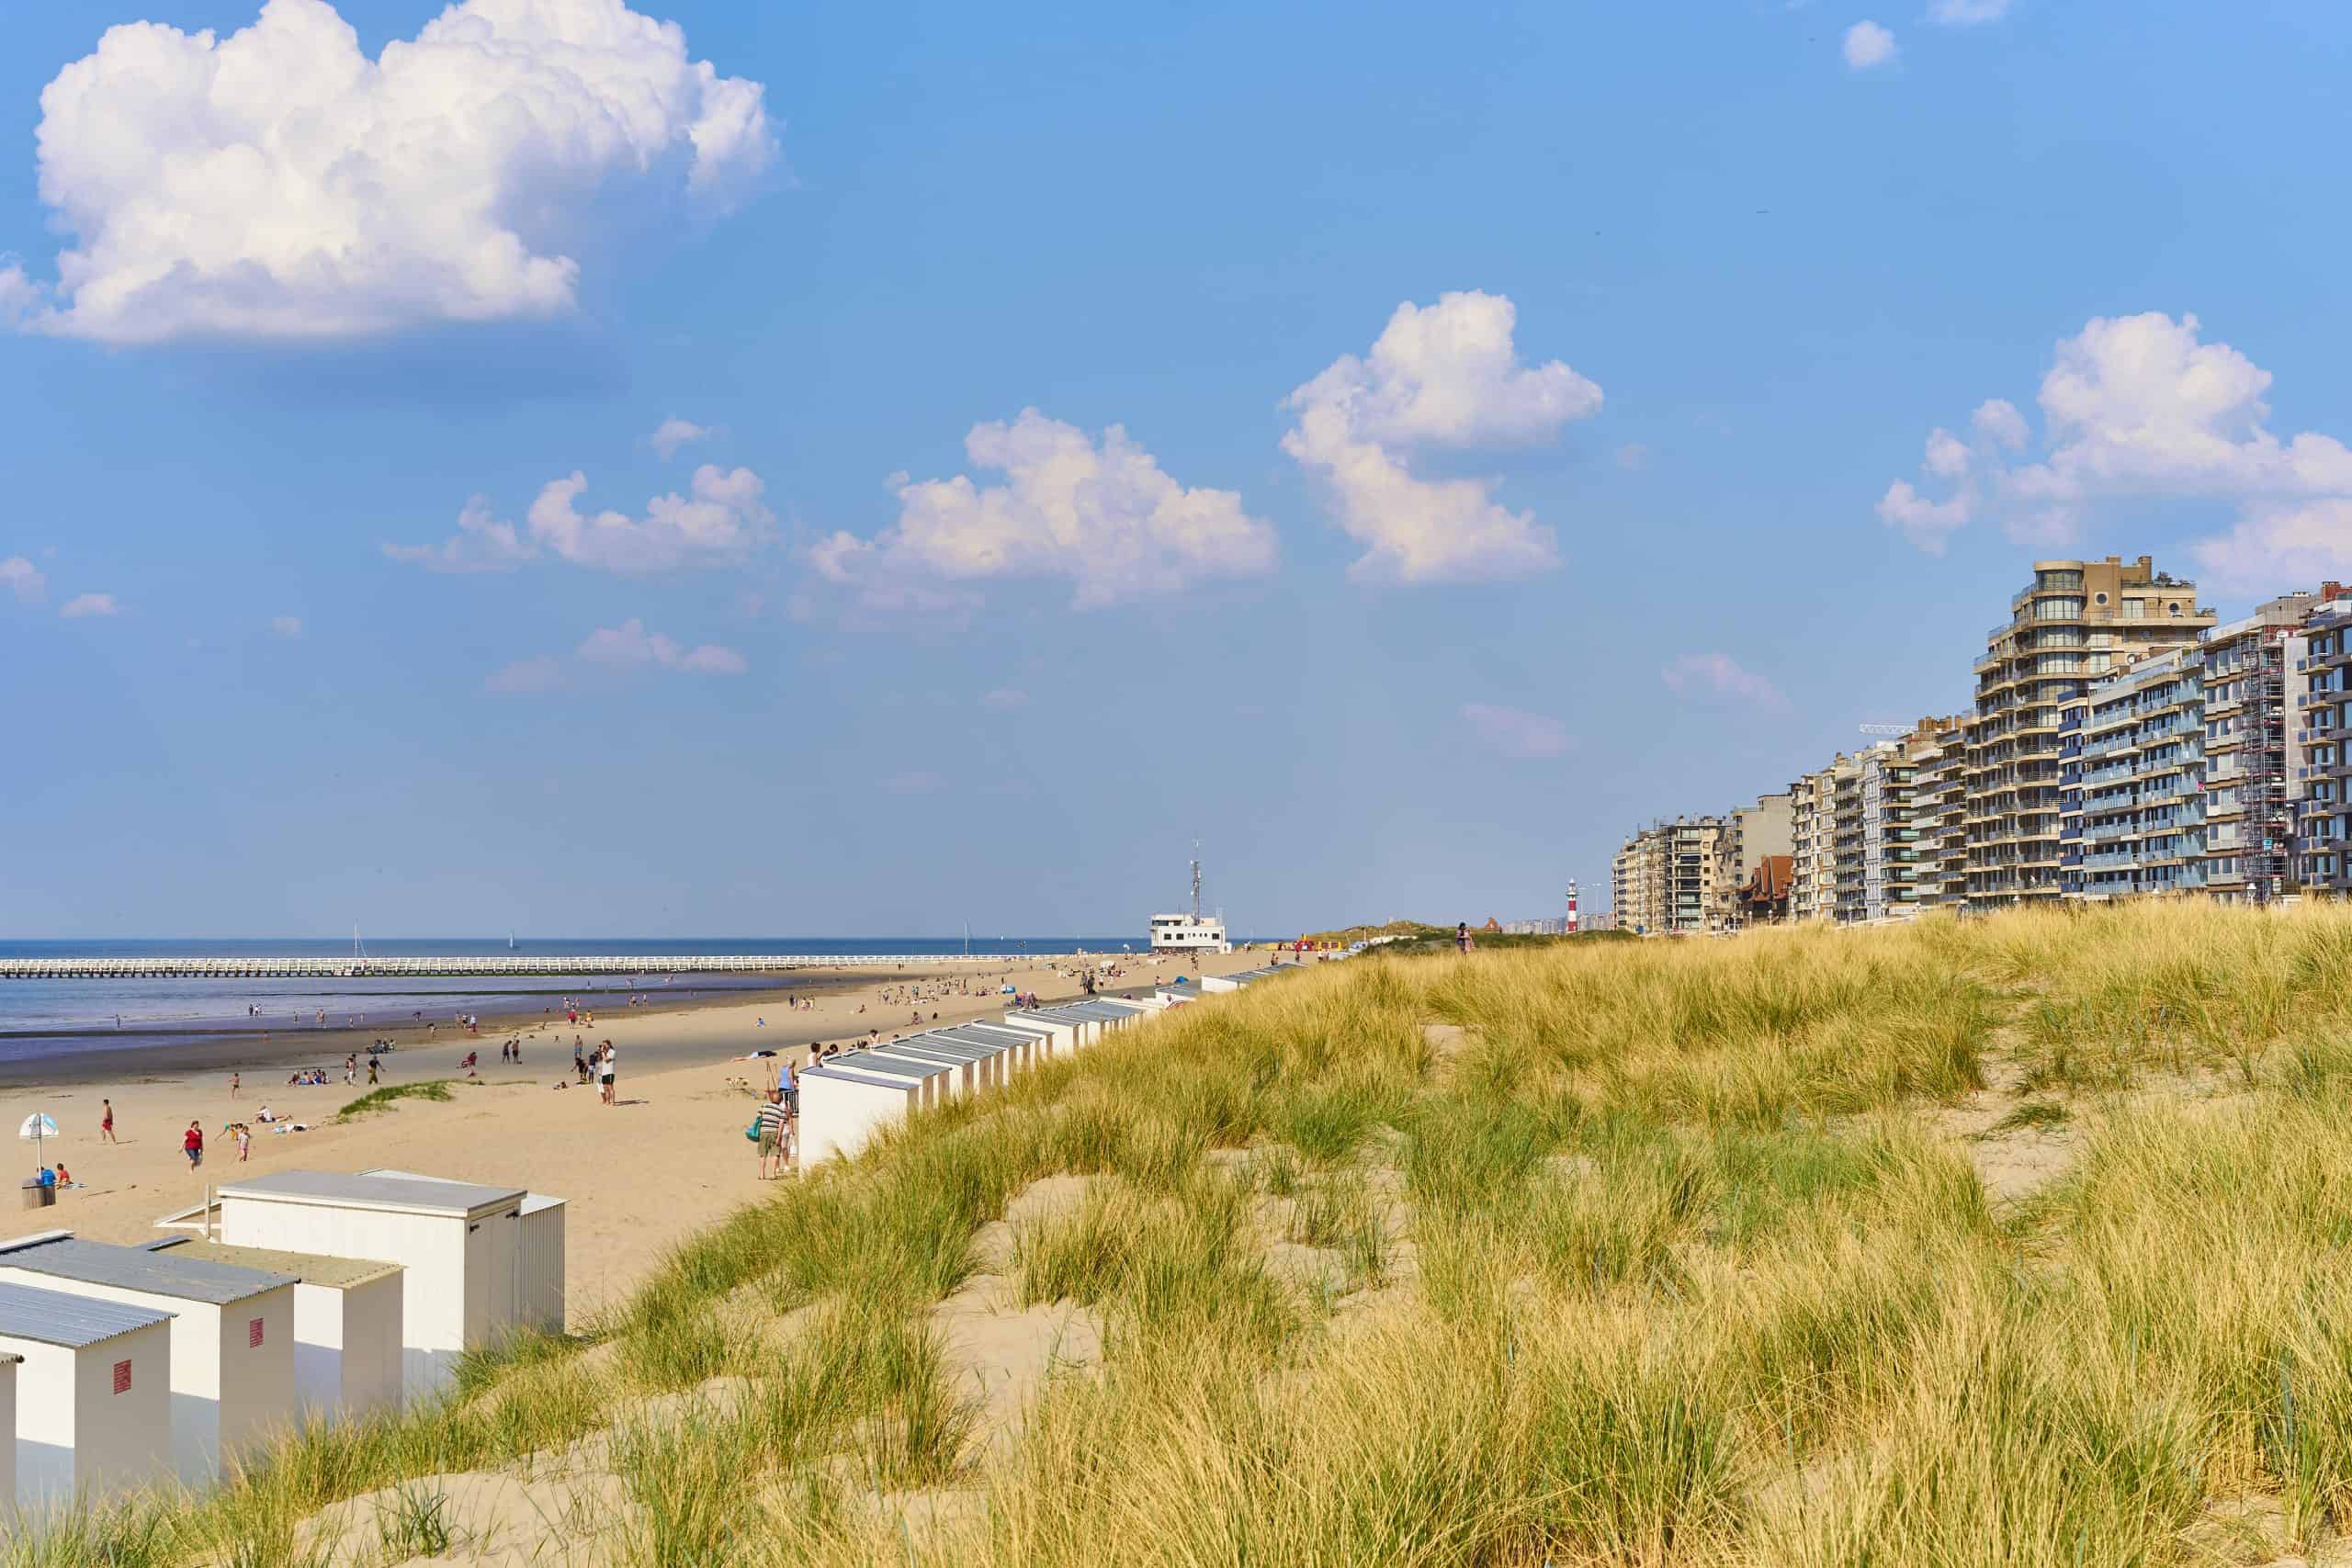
x=41, y=1017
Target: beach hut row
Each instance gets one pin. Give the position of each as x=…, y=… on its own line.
x=325, y=1296
x=844, y=1102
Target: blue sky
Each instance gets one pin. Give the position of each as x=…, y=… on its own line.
x=1605, y=526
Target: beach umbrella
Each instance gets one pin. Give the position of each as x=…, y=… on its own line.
x=37, y=1127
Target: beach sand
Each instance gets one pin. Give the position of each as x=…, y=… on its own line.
x=670, y=1160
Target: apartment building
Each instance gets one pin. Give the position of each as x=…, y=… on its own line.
x=1846, y=839
x=2318, y=758
x=1751, y=834
x=1939, y=813
x=2075, y=622
x=2131, y=810
x=1813, y=823
x=1663, y=879
x=2249, y=802
x=1894, y=857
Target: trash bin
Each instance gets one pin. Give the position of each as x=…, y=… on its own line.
x=38, y=1195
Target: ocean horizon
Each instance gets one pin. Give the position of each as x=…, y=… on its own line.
x=47, y=1017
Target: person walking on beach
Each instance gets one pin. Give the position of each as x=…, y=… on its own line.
x=235, y=1081
x=371, y=1072
x=244, y=1142
x=605, y=1068
x=192, y=1145
x=106, y=1121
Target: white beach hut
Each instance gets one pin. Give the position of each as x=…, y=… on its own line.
x=1043, y=1037
x=232, y=1375
x=455, y=1241
x=1015, y=1049
x=91, y=1387
x=539, y=1299
x=346, y=1322
x=538, y=1255
x=844, y=1102
x=974, y=1067
x=1067, y=1033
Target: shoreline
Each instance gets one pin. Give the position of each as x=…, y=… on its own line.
x=234, y=1045
x=667, y=1160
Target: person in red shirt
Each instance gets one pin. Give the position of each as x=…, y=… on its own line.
x=193, y=1144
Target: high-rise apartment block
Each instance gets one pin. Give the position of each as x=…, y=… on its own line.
x=1663, y=878
x=2249, y=793
x=2076, y=621
x=2131, y=778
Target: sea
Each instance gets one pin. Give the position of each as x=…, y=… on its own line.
x=43, y=1018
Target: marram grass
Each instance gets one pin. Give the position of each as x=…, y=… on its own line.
x=1659, y=1252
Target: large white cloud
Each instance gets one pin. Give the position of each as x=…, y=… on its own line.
x=1445, y=374
x=1101, y=514
x=279, y=184
x=2139, y=408
x=718, y=520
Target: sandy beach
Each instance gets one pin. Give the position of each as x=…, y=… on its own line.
x=669, y=1160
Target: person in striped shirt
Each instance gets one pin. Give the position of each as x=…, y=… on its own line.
x=771, y=1124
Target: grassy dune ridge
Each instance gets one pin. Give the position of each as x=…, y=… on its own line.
x=1642, y=1253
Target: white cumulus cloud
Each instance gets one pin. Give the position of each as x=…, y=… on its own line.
x=1719, y=675
x=1867, y=44
x=84, y=606
x=674, y=433
x=2141, y=407
x=1446, y=375
x=288, y=627
x=277, y=183
x=23, y=580
x=1515, y=733
x=1101, y=514
x=719, y=518
x=630, y=646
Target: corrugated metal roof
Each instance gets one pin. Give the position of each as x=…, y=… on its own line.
x=945, y=1047
x=1001, y=1032
x=311, y=1268
x=833, y=1069
x=136, y=1268
x=1062, y=1015
x=882, y=1062
x=532, y=1202
x=539, y=1202
x=405, y=1194
x=53, y=1317
x=983, y=1034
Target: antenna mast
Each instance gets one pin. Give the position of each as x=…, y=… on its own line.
x=1197, y=882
